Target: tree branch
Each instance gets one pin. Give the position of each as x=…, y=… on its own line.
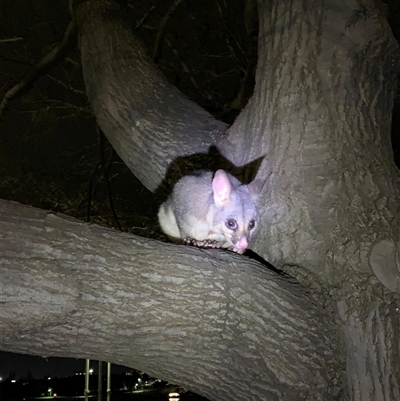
x=146, y=119
x=213, y=321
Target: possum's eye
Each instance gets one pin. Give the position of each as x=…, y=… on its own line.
x=231, y=224
x=252, y=224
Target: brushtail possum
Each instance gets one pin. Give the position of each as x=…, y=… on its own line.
x=211, y=210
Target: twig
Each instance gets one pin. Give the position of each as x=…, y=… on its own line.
x=161, y=30
x=144, y=18
x=41, y=66
x=9, y=40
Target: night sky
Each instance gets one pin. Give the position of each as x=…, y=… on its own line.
x=44, y=367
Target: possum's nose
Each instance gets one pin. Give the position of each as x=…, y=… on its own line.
x=242, y=243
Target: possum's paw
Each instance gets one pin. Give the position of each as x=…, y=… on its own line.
x=206, y=243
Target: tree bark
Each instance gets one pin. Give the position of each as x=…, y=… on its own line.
x=372, y=339
x=217, y=323
x=326, y=106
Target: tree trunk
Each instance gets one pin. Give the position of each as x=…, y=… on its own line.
x=218, y=323
x=335, y=212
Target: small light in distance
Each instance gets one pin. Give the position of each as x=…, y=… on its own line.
x=13, y=381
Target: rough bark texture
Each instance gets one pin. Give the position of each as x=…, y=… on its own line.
x=324, y=104
x=204, y=319
x=372, y=337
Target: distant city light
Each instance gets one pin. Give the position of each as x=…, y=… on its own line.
x=49, y=378
x=13, y=381
x=91, y=371
x=1, y=378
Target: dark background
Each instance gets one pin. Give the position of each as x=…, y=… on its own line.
x=24, y=366
x=20, y=365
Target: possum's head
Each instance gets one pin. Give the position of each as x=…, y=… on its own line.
x=236, y=214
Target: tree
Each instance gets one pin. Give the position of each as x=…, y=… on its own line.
x=327, y=326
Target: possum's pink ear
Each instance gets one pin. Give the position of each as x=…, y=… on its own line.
x=222, y=188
